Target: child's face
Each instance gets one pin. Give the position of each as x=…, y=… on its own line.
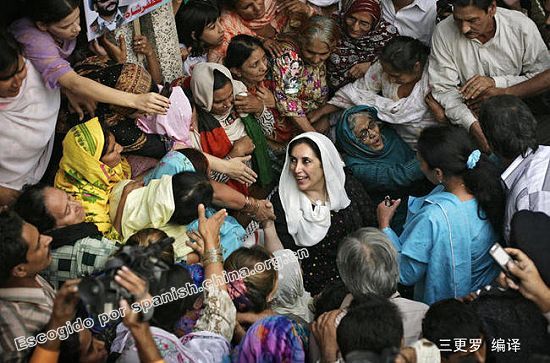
x=212, y=34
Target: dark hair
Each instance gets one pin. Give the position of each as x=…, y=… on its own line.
x=50, y=11
x=507, y=315
x=307, y=141
x=401, y=54
x=191, y=20
x=451, y=319
x=220, y=80
x=106, y=132
x=481, y=4
x=13, y=248
x=189, y=189
x=31, y=206
x=228, y=4
x=197, y=158
x=239, y=50
x=448, y=148
x=509, y=125
x=69, y=349
x=372, y=323
x=149, y=236
x=330, y=298
x=258, y=285
x=11, y=50
x=168, y=314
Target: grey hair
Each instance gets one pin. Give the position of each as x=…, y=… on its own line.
x=322, y=28
x=352, y=119
x=367, y=263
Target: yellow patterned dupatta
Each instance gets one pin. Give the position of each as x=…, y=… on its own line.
x=86, y=178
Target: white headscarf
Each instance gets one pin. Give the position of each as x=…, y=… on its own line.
x=308, y=226
x=202, y=87
x=291, y=296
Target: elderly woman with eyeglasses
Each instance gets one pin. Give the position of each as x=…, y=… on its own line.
x=377, y=156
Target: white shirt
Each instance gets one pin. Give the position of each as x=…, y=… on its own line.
x=27, y=132
x=527, y=184
x=416, y=20
x=515, y=54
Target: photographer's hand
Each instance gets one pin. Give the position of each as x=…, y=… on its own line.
x=147, y=349
x=131, y=282
x=64, y=307
x=530, y=284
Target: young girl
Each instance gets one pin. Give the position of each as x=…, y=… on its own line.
x=48, y=35
x=198, y=30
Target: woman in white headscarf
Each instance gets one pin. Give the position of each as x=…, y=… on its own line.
x=317, y=204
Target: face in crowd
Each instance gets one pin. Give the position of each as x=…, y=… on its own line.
x=473, y=22
x=367, y=131
x=307, y=169
x=254, y=69
x=67, y=28
x=12, y=79
x=212, y=34
x=250, y=9
x=359, y=24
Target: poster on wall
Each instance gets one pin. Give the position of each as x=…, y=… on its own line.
x=103, y=16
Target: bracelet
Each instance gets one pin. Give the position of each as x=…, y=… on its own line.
x=211, y=252
x=249, y=208
x=212, y=258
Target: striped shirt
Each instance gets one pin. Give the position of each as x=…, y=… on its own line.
x=527, y=184
x=24, y=311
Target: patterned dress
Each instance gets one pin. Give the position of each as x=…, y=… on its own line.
x=298, y=88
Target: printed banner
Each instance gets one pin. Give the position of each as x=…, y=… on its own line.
x=106, y=15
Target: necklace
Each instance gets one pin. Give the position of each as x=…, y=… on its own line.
x=319, y=201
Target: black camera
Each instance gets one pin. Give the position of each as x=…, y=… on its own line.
x=101, y=294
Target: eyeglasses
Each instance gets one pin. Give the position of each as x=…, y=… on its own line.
x=368, y=131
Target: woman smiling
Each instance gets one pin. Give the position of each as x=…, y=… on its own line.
x=316, y=205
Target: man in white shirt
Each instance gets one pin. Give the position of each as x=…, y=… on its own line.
x=413, y=18
x=480, y=47
x=511, y=131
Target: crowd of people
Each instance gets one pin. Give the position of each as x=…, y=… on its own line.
x=329, y=181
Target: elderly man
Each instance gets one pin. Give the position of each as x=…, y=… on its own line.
x=481, y=47
x=511, y=130
x=26, y=299
x=367, y=263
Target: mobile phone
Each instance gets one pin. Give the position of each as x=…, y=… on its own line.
x=503, y=258
x=166, y=90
